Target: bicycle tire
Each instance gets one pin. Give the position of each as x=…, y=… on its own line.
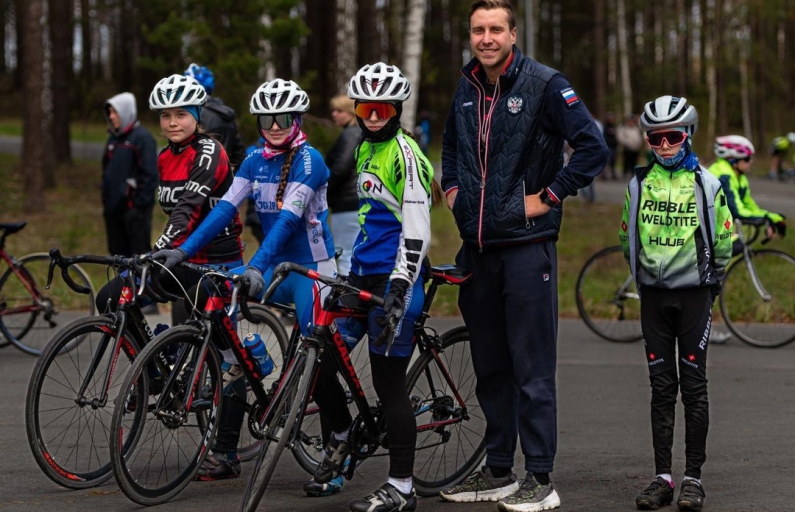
x=606, y=297
x=32, y=328
x=760, y=323
x=435, y=468
x=167, y=440
x=275, y=337
x=292, y=395
x=56, y=424
x=309, y=449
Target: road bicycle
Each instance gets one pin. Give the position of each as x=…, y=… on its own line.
x=441, y=383
x=30, y=313
x=70, y=397
x=450, y=425
x=756, y=300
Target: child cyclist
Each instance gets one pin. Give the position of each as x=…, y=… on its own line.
x=735, y=154
x=288, y=180
x=676, y=234
x=395, y=183
x=194, y=173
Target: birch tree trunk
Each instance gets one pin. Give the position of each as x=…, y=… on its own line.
x=33, y=130
x=346, y=43
x=412, y=59
x=626, y=84
x=710, y=54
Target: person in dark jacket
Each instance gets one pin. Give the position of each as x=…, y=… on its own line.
x=504, y=178
x=343, y=194
x=129, y=178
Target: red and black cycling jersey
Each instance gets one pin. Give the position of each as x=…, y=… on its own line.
x=194, y=176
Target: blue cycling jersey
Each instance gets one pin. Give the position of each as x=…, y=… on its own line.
x=297, y=232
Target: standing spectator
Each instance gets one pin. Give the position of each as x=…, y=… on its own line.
x=676, y=235
x=631, y=139
x=423, y=132
x=129, y=178
x=503, y=173
x=609, y=133
x=343, y=193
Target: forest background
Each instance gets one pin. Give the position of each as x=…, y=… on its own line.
x=64, y=58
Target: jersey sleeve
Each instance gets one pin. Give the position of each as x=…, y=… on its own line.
x=723, y=232
x=210, y=166
x=623, y=229
x=308, y=173
x=415, y=237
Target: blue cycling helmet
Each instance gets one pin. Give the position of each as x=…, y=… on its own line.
x=203, y=75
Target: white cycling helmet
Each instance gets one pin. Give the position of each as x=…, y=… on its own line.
x=669, y=112
x=379, y=82
x=278, y=97
x=177, y=91
x=733, y=146
x=791, y=137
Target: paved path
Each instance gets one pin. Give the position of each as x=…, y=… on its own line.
x=604, y=454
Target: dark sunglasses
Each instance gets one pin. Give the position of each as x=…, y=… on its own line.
x=673, y=138
x=265, y=121
x=746, y=159
x=382, y=110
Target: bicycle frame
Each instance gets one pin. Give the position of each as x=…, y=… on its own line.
x=748, y=256
x=29, y=285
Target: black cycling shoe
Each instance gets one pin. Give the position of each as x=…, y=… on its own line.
x=691, y=496
x=333, y=459
x=386, y=499
x=659, y=493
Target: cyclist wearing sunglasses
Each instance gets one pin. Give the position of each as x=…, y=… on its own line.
x=395, y=189
x=288, y=180
x=735, y=154
x=676, y=234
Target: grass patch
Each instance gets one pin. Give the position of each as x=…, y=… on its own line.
x=71, y=219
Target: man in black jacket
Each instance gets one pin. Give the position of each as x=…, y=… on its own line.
x=129, y=178
x=504, y=178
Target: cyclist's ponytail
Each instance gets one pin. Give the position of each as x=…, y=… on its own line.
x=437, y=194
x=288, y=162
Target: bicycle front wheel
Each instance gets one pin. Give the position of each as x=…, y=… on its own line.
x=606, y=296
x=29, y=320
x=182, y=408
x=70, y=402
x=761, y=321
x=280, y=421
x=450, y=424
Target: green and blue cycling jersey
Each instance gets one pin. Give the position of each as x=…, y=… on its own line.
x=738, y=194
x=676, y=227
x=394, y=209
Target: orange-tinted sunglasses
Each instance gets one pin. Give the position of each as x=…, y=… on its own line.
x=382, y=110
x=672, y=137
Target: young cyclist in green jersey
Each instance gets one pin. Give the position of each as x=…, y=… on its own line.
x=395, y=190
x=735, y=154
x=676, y=234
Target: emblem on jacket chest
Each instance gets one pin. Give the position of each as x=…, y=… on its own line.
x=515, y=104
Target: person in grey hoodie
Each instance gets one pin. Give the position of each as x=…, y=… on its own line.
x=129, y=178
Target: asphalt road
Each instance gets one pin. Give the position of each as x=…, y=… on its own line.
x=604, y=445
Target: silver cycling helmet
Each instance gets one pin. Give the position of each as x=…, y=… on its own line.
x=379, y=82
x=177, y=91
x=669, y=112
x=278, y=97
x=733, y=146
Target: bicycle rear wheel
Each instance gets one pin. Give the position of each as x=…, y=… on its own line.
x=450, y=433
x=275, y=337
x=754, y=320
x=282, y=414
x=172, y=441
x=29, y=323
x=68, y=431
x=606, y=296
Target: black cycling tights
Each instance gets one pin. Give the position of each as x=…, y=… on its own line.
x=680, y=319
x=389, y=381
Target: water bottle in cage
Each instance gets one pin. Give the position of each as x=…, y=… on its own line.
x=259, y=353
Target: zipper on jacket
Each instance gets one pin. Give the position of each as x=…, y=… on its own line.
x=667, y=230
x=527, y=220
